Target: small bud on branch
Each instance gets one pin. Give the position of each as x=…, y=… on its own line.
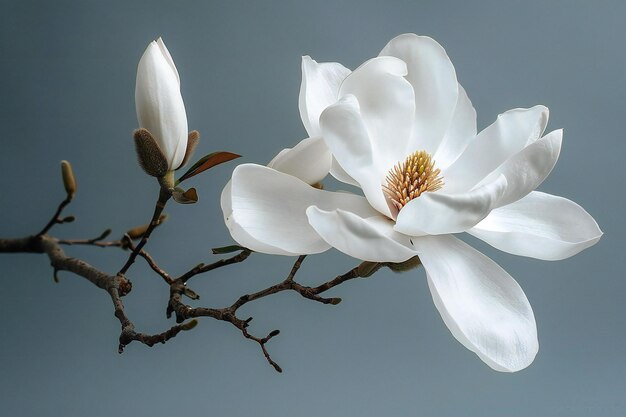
x=69, y=181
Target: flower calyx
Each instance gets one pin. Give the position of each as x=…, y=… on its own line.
x=149, y=154
x=181, y=196
x=193, y=138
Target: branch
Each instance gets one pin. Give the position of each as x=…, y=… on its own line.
x=56, y=219
x=164, y=196
x=125, y=243
x=129, y=334
x=61, y=262
x=151, y=262
x=202, y=268
x=229, y=314
x=116, y=286
x=96, y=241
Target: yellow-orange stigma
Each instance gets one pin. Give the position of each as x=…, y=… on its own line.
x=409, y=179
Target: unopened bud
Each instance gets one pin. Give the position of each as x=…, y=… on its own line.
x=227, y=249
x=139, y=231
x=407, y=265
x=191, y=294
x=367, y=268
x=335, y=301
x=189, y=325
x=273, y=333
x=69, y=181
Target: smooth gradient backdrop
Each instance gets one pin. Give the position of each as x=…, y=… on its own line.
x=67, y=77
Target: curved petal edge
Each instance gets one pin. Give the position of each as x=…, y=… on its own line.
x=540, y=226
x=482, y=305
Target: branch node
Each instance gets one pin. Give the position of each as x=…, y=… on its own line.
x=124, y=285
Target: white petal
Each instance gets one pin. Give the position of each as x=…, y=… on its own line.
x=347, y=138
x=433, y=78
x=340, y=174
x=318, y=90
x=482, y=305
x=528, y=168
x=541, y=226
x=238, y=233
x=159, y=104
x=368, y=239
x=387, y=104
x=270, y=207
x=461, y=131
x=509, y=134
x=437, y=213
x=168, y=58
x=309, y=160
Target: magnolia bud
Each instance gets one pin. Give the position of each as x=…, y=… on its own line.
x=138, y=232
x=189, y=325
x=407, y=265
x=367, y=269
x=159, y=104
x=69, y=182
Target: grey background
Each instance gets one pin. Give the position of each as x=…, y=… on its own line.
x=67, y=73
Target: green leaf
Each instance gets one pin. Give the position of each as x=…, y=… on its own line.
x=207, y=162
x=227, y=249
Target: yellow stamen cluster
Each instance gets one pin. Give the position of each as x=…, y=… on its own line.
x=409, y=179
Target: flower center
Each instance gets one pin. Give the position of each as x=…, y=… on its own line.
x=409, y=179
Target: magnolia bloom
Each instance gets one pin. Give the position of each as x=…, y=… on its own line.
x=403, y=130
x=159, y=104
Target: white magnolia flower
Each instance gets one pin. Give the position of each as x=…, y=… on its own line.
x=159, y=104
x=404, y=131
